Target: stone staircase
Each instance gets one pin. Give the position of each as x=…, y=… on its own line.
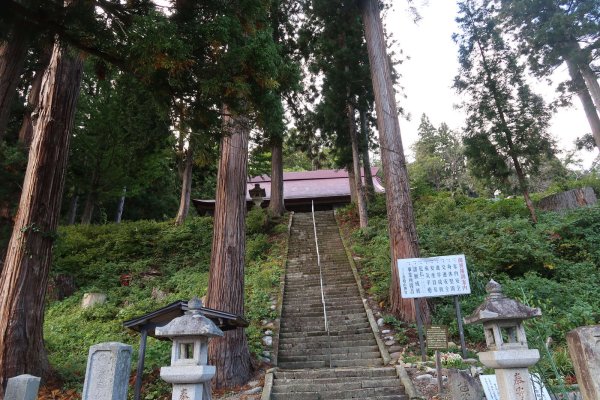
x=312, y=364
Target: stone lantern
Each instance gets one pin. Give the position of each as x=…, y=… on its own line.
x=189, y=372
x=508, y=354
x=257, y=195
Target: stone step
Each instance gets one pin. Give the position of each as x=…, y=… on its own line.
x=292, y=345
x=334, y=373
x=334, y=363
x=324, y=356
x=299, y=351
x=322, y=396
x=334, y=384
x=349, y=334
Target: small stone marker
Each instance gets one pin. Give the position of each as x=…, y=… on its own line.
x=463, y=386
x=584, y=348
x=22, y=387
x=107, y=372
x=92, y=299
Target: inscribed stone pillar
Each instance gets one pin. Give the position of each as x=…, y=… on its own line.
x=22, y=387
x=584, y=348
x=107, y=372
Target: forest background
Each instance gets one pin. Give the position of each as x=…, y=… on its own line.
x=169, y=96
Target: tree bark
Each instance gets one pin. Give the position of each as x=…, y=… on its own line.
x=12, y=59
x=369, y=185
x=591, y=81
x=72, y=215
x=26, y=131
x=360, y=190
x=121, y=206
x=25, y=274
x=352, y=184
x=401, y=222
x=88, y=208
x=186, y=188
x=524, y=188
x=230, y=354
x=586, y=100
x=277, y=202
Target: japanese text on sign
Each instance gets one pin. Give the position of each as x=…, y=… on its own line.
x=437, y=337
x=434, y=276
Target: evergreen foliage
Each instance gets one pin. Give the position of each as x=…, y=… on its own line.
x=507, y=123
x=552, y=265
x=142, y=266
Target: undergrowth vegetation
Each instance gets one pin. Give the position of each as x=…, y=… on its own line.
x=142, y=266
x=552, y=265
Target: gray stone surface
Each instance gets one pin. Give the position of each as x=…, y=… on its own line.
x=92, y=299
x=463, y=386
x=22, y=387
x=584, y=348
x=107, y=372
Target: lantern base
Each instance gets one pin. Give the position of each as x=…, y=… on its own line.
x=509, y=358
x=188, y=374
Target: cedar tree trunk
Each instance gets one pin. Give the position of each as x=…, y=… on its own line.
x=365, y=156
x=524, y=188
x=73, y=210
x=360, y=190
x=276, y=204
x=352, y=183
x=586, y=100
x=12, y=59
x=26, y=131
x=230, y=354
x=186, y=188
x=591, y=81
x=25, y=274
x=401, y=221
x=121, y=206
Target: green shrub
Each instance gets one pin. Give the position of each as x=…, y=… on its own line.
x=165, y=263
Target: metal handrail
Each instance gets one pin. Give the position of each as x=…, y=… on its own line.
x=320, y=268
x=321, y=281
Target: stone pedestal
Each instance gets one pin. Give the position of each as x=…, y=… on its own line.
x=193, y=382
x=584, y=348
x=512, y=375
x=107, y=372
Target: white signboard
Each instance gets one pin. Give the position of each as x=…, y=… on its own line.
x=434, y=276
x=490, y=387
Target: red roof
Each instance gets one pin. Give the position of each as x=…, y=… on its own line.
x=312, y=184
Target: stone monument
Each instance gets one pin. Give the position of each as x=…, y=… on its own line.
x=584, y=348
x=189, y=372
x=22, y=387
x=107, y=372
x=508, y=354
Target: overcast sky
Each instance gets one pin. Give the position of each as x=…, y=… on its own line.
x=428, y=74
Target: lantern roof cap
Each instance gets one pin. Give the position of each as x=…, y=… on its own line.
x=498, y=307
x=192, y=323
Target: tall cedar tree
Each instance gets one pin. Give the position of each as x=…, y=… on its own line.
x=339, y=55
x=226, y=281
x=506, y=122
x=25, y=274
x=401, y=220
x=252, y=63
x=553, y=32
